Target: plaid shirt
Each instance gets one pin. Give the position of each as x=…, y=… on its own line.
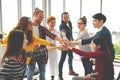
x=43, y=32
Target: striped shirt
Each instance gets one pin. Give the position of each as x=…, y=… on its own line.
x=14, y=70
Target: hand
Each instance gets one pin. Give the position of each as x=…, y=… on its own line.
x=93, y=60
x=66, y=41
x=68, y=47
x=51, y=44
x=62, y=47
x=74, y=42
x=36, y=46
x=87, y=77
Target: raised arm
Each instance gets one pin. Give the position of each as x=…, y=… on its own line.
x=37, y=40
x=39, y=52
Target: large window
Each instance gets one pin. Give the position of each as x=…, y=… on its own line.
x=27, y=8
x=56, y=10
x=76, y=9
x=89, y=8
x=73, y=8
x=112, y=13
x=9, y=14
x=38, y=3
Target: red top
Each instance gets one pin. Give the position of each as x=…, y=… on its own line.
x=103, y=65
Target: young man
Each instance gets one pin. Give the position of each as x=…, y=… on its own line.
x=41, y=32
x=66, y=33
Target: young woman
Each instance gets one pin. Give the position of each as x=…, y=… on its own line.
x=103, y=65
x=25, y=25
x=13, y=64
x=83, y=34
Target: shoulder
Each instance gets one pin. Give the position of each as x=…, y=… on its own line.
x=105, y=30
x=42, y=27
x=62, y=23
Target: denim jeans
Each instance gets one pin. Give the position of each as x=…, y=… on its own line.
x=62, y=59
x=87, y=65
x=41, y=66
x=31, y=68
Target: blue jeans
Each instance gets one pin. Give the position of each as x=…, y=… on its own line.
x=31, y=68
x=87, y=65
x=41, y=66
x=62, y=59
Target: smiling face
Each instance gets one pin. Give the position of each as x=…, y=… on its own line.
x=94, y=46
x=51, y=24
x=98, y=20
x=39, y=17
x=97, y=23
x=81, y=25
x=65, y=18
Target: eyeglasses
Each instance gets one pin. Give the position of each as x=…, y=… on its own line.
x=80, y=23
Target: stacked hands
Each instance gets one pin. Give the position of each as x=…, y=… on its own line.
x=65, y=45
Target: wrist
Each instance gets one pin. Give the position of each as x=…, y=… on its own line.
x=51, y=44
x=92, y=74
x=79, y=42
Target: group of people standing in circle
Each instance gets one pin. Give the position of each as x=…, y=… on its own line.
x=30, y=43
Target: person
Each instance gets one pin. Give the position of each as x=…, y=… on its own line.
x=52, y=55
x=83, y=34
x=25, y=24
x=98, y=22
x=13, y=64
x=66, y=33
x=103, y=65
x=41, y=32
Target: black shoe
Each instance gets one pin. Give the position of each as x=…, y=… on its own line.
x=73, y=73
x=60, y=78
x=52, y=77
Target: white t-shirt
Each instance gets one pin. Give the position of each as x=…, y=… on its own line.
x=36, y=30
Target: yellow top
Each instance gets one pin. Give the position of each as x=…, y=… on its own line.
x=36, y=41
